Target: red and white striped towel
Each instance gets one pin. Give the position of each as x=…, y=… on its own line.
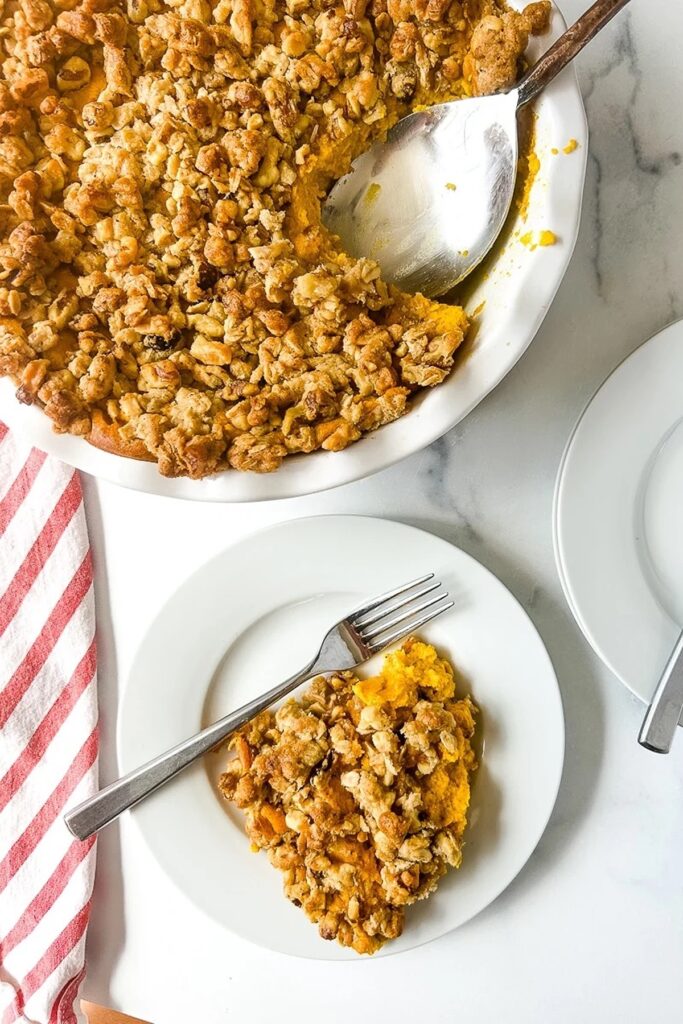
x=48, y=733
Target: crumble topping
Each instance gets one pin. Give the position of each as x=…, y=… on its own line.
x=359, y=792
x=166, y=287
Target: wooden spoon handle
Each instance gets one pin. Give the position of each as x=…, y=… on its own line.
x=566, y=48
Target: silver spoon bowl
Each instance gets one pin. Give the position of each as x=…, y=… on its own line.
x=429, y=201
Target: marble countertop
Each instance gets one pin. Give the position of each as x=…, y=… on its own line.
x=592, y=929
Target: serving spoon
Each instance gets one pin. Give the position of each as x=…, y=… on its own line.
x=429, y=202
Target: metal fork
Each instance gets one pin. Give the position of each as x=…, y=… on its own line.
x=353, y=640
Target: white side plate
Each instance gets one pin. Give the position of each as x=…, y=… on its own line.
x=252, y=616
x=618, y=518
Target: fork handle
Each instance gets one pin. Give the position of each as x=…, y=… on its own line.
x=102, y=808
x=664, y=713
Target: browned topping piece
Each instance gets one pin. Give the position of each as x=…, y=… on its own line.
x=166, y=287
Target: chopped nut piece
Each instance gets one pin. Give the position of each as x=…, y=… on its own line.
x=73, y=74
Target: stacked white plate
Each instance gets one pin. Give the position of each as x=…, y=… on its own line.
x=619, y=514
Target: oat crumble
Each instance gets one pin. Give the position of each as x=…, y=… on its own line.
x=359, y=792
x=166, y=288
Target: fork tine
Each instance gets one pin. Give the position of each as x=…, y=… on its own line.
x=398, y=634
x=371, y=605
x=363, y=623
x=407, y=613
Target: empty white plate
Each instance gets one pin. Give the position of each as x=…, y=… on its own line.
x=248, y=619
x=618, y=515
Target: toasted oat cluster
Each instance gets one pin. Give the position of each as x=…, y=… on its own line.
x=359, y=792
x=166, y=287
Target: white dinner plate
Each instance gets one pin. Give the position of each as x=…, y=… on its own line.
x=618, y=517
x=251, y=617
x=511, y=300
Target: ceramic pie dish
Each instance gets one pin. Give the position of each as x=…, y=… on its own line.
x=508, y=302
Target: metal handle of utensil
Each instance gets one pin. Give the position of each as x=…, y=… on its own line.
x=664, y=713
x=99, y=810
x=566, y=48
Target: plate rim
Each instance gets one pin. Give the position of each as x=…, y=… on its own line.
x=560, y=562
x=535, y=836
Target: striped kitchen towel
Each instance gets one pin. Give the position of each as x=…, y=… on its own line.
x=48, y=733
